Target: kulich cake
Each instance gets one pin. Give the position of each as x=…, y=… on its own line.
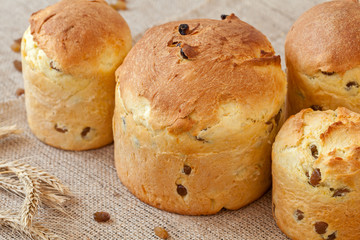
x=322, y=53
x=69, y=55
x=197, y=106
x=316, y=175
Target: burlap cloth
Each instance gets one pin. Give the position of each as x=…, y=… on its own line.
x=91, y=174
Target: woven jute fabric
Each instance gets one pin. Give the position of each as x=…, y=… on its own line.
x=91, y=175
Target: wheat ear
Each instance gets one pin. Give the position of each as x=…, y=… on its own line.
x=32, y=197
x=43, y=176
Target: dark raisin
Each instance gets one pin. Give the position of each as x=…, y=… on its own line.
x=123, y=123
x=199, y=139
x=307, y=174
x=340, y=192
x=101, y=216
x=223, y=16
x=183, y=54
x=331, y=236
x=181, y=190
x=17, y=65
x=316, y=107
x=19, y=92
x=320, y=227
x=299, y=215
x=315, y=177
x=53, y=66
x=59, y=129
x=183, y=29
x=85, y=131
x=314, y=151
x=187, y=169
x=327, y=73
x=277, y=117
x=350, y=85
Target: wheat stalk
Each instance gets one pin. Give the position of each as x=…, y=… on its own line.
x=7, y=130
x=36, y=186
x=36, y=231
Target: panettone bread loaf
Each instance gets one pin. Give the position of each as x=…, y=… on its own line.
x=316, y=175
x=322, y=52
x=198, y=104
x=69, y=54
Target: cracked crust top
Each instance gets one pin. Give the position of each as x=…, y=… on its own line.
x=335, y=135
x=326, y=38
x=316, y=175
x=81, y=35
x=185, y=78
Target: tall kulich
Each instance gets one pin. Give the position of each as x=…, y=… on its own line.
x=322, y=51
x=197, y=106
x=316, y=175
x=69, y=56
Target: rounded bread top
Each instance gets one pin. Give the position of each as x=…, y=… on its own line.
x=81, y=35
x=325, y=38
x=185, y=75
x=324, y=145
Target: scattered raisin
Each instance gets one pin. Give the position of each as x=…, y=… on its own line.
x=101, y=216
x=19, y=92
x=316, y=107
x=315, y=177
x=183, y=29
x=161, y=233
x=181, y=190
x=352, y=84
x=327, y=73
x=200, y=139
x=265, y=54
x=299, y=215
x=320, y=227
x=85, y=131
x=340, y=192
x=223, y=16
x=183, y=54
x=307, y=174
x=314, y=151
x=16, y=46
x=17, y=65
x=59, y=129
x=331, y=236
x=53, y=66
x=124, y=123
x=187, y=169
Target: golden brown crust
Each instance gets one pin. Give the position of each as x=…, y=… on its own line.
x=210, y=100
x=155, y=69
x=69, y=56
x=318, y=186
x=326, y=38
x=68, y=32
x=60, y=119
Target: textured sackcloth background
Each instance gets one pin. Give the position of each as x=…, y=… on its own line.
x=91, y=174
